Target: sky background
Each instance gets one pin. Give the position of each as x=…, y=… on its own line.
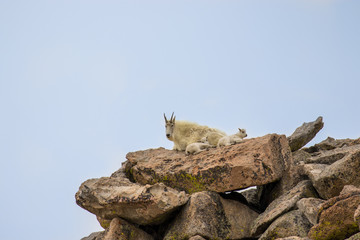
x=82, y=83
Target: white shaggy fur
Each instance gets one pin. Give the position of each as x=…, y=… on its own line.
x=194, y=148
x=182, y=133
x=232, y=139
x=213, y=138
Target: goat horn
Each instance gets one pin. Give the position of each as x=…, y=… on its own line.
x=171, y=119
x=165, y=118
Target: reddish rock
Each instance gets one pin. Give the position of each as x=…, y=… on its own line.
x=256, y=161
x=336, y=217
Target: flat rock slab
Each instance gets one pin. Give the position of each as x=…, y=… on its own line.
x=305, y=134
x=111, y=197
x=256, y=161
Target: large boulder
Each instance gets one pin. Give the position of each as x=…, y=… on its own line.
x=281, y=205
x=336, y=217
x=305, y=134
x=256, y=161
x=212, y=217
x=329, y=180
x=293, y=223
x=111, y=197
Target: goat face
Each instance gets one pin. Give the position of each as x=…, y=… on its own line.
x=169, y=126
x=242, y=133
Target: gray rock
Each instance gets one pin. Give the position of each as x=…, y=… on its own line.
x=111, y=197
x=357, y=216
x=305, y=134
x=281, y=205
x=95, y=236
x=331, y=143
x=120, y=229
x=354, y=237
x=212, y=217
x=330, y=156
x=329, y=180
x=310, y=208
x=197, y=237
x=293, y=223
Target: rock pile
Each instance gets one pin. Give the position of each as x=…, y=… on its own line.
x=296, y=192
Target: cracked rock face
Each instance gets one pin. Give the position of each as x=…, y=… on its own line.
x=111, y=197
x=253, y=162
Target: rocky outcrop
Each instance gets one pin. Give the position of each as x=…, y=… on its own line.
x=110, y=197
x=305, y=133
x=296, y=193
x=256, y=161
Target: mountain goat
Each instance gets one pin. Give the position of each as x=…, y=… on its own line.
x=194, y=148
x=182, y=133
x=232, y=139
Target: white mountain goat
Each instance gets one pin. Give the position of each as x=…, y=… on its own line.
x=213, y=138
x=194, y=148
x=232, y=139
x=182, y=133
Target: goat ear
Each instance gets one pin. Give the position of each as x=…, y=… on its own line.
x=165, y=118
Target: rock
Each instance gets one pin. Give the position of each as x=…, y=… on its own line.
x=336, y=217
x=111, y=197
x=252, y=197
x=331, y=156
x=354, y=237
x=293, y=174
x=95, y=236
x=357, y=216
x=212, y=217
x=293, y=223
x=329, y=180
x=120, y=229
x=294, y=238
x=305, y=134
x=331, y=143
x=197, y=237
x=256, y=161
x=282, y=205
x=310, y=208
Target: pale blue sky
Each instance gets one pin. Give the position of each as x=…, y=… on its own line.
x=84, y=82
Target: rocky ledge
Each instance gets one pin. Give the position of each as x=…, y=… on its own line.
x=295, y=192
